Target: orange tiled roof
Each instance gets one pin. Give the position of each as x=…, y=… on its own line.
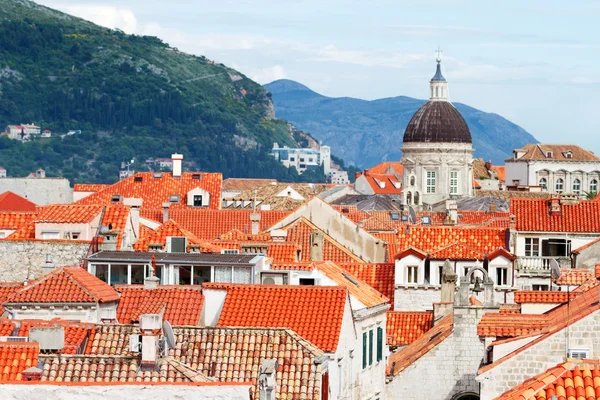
x=15, y=220
x=571, y=380
x=538, y=151
x=500, y=170
x=538, y=296
x=404, y=327
x=115, y=217
x=155, y=191
x=211, y=224
x=66, y=285
x=379, y=276
x=68, y=213
x=283, y=252
x=236, y=234
x=10, y=201
x=351, y=212
x=313, y=312
x=183, y=304
x=16, y=358
x=299, y=232
x=533, y=215
x=7, y=327
x=388, y=181
x=7, y=289
x=25, y=231
x=89, y=187
x=171, y=228
x=387, y=167
x=75, y=333
x=574, y=276
x=456, y=251
x=400, y=360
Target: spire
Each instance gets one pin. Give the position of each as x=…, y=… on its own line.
x=438, y=84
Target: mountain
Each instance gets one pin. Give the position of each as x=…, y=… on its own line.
x=132, y=97
x=364, y=133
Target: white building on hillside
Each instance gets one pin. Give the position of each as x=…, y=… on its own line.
x=303, y=158
x=555, y=168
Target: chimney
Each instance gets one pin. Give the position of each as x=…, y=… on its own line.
x=48, y=265
x=493, y=208
x=48, y=337
x=152, y=281
x=177, y=160
x=597, y=271
x=278, y=235
x=446, y=304
x=451, y=212
x=135, y=204
x=555, y=209
x=316, y=245
x=109, y=240
x=150, y=326
x=255, y=221
x=32, y=374
x=165, y=208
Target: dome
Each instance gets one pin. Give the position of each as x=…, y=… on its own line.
x=437, y=122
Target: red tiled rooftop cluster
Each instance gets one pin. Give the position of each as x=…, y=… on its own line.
x=168, y=229
x=68, y=213
x=404, y=327
x=75, y=333
x=15, y=220
x=533, y=215
x=115, y=217
x=379, y=276
x=537, y=296
x=315, y=313
x=16, y=358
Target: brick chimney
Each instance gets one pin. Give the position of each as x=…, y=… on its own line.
x=451, y=212
x=165, y=208
x=32, y=374
x=255, y=222
x=555, y=208
x=177, y=161
x=316, y=245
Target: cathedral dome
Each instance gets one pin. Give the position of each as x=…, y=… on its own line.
x=437, y=122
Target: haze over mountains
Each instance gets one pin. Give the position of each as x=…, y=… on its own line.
x=365, y=133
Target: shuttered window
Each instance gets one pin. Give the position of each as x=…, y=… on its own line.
x=364, y=355
x=370, y=347
x=379, y=344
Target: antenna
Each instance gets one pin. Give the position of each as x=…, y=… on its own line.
x=169, y=335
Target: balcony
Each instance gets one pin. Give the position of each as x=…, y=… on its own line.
x=539, y=266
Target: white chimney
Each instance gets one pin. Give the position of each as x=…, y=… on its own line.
x=177, y=160
x=165, y=208
x=150, y=325
x=255, y=220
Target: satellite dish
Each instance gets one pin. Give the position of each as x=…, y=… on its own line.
x=412, y=215
x=169, y=335
x=554, y=268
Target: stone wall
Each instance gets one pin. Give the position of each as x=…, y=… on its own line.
x=23, y=259
x=127, y=392
x=40, y=191
x=448, y=369
x=583, y=334
x=589, y=257
x=419, y=298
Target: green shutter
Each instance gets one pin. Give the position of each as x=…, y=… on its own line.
x=364, y=350
x=370, y=347
x=379, y=344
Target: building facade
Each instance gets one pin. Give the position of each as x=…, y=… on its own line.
x=301, y=159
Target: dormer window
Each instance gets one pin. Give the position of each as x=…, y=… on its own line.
x=548, y=154
x=137, y=179
x=197, y=177
x=116, y=198
x=568, y=154
x=174, y=198
x=157, y=175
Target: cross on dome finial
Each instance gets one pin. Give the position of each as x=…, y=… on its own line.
x=439, y=55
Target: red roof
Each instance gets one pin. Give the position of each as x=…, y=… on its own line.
x=115, y=217
x=387, y=167
x=156, y=191
x=168, y=229
x=16, y=358
x=89, y=187
x=533, y=215
x=7, y=289
x=75, y=333
x=384, y=184
x=540, y=296
x=500, y=171
x=66, y=285
x=574, y=276
x=313, y=312
x=10, y=201
x=182, y=304
x=379, y=276
x=15, y=220
x=571, y=380
x=68, y=213
x=404, y=327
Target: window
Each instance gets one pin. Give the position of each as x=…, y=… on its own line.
x=544, y=183
x=178, y=244
x=501, y=276
x=371, y=347
x=412, y=181
x=292, y=159
x=577, y=186
x=364, y=357
x=408, y=198
x=594, y=186
x=579, y=353
x=379, y=343
x=436, y=92
x=302, y=160
x=453, y=182
x=559, y=185
x=411, y=274
x=539, y=287
x=416, y=198
x=174, y=198
x=440, y=273
x=307, y=281
x=532, y=247
x=197, y=200
x=430, y=184
x=427, y=272
x=75, y=235
x=50, y=234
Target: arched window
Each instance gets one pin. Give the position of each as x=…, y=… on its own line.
x=417, y=198
x=436, y=92
x=408, y=198
x=576, y=186
x=544, y=183
x=594, y=186
x=559, y=185
x=412, y=181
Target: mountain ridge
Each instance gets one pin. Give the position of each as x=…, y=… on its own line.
x=366, y=132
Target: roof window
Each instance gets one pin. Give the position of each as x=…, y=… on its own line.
x=197, y=177
x=395, y=216
x=116, y=198
x=548, y=154
x=174, y=198
x=426, y=220
x=137, y=179
x=157, y=175
x=568, y=154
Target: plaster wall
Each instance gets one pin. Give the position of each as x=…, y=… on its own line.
x=40, y=191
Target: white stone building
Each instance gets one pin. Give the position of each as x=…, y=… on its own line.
x=301, y=158
x=554, y=168
x=437, y=152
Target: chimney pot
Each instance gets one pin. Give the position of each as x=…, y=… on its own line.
x=177, y=161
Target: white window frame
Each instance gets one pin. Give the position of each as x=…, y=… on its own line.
x=54, y=235
x=559, y=186
x=412, y=274
x=544, y=183
x=594, y=185
x=503, y=281
x=430, y=182
x=530, y=245
x=577, y=186
x=453, y=182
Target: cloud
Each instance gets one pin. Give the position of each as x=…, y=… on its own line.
x=269, y=74
x=107, y=16
x=374, y=58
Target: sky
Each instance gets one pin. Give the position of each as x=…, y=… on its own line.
x=533, y=62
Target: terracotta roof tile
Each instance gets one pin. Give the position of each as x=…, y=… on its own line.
x=533, y=215
x=66, y=285
x=171, y=228
x=183, y=304
x=15, y=220
x=404, y=327
x=538, y=296
x=401, y=359
x=574, y=276
x=387, y=167
x=538, y=151
x=89, y=187
x=383, y=184
x=500, y=170
x=115, y=217
x=379, y=276
x=313, y=312
x=7, y=289
x=574, y=379
x=10, y=201
x=155, y=191
x=6, y=327
x=75, y=333
x=68, y=213
x=16, y=358
x=283, y=252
